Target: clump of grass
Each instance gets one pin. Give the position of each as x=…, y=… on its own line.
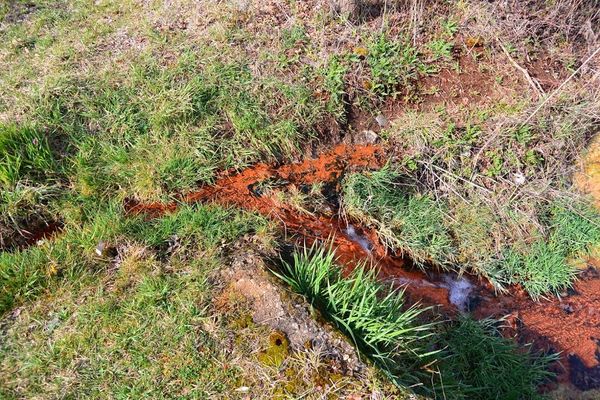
x=404, y=221
x=415, y=224
x=374, y=316
x=22, y=206
x=25, y=153
x=545, y=267
x=480, y=364
x=25, y=274
x=334, y=73
x=474, y=361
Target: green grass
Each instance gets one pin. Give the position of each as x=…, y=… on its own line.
x=374, y=316
x=480, y=364
x=26, y=155
x=334, y=83
x=415, y=224
x=441, y=49
x=393, y=63
x=146, y=324
x=546, y=267
x=105, y=100
x=101, y=334
x=472, y=361
x=25, y=274
x=406, y=222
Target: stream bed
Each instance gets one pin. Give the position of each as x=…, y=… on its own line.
x=569, y=324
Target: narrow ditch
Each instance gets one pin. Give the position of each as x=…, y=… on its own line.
x=570, y=324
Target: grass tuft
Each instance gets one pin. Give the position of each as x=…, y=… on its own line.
x=393, y=64
x=374, y=316
x=25, y=153
x=547, y=267
x=404, y=221
x=480, y=364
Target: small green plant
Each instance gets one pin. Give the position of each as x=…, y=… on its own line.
x=523, y=134
x=334, y=84
x=374, y=316
x=450, y=27
x=293, y=36
x=393, y=63
x=441, y=49
x=471, y=134
x=533, y=158
x=496, y=164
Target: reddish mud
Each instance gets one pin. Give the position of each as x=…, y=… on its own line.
x=240, y=190
x=570, y=325
x=31, y=235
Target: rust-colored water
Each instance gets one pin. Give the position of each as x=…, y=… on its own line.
x=570, y=325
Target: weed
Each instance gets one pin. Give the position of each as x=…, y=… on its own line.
x=293, y=36
x=393, y=64
x=450, y=27
x=440, y=48
x=334, y=84
x=523, y=135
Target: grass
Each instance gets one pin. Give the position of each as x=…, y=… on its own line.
x=481, y=364
x=26, y=155
x=25, y=274
x=99, y=333
x=373, y=316
x=472, y=361
x=415, y=224
x=100, y=101
x=406, y=222
x=546, y=267
x=393, y=63
x=95, y=327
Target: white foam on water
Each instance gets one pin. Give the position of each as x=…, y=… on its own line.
x=355, y=237
x=459, y=290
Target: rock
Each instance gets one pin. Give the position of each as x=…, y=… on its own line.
x=366, y=137
x=271, y=305
x=519, y=178
x=382, y=121
x=105, y=250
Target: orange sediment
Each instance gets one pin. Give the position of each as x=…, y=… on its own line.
x=570, y=325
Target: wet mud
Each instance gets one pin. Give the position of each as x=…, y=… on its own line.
x=569, y=324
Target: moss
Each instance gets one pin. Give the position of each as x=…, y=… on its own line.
x=277, y=351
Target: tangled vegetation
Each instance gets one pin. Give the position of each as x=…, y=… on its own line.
x=416, y=224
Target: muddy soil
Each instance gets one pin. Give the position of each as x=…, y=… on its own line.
x=570, y=324
x=12, y=239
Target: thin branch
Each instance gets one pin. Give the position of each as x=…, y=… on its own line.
x=533, y=82
x=558, y=89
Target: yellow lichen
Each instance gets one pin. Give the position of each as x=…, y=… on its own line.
x=360, y=51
